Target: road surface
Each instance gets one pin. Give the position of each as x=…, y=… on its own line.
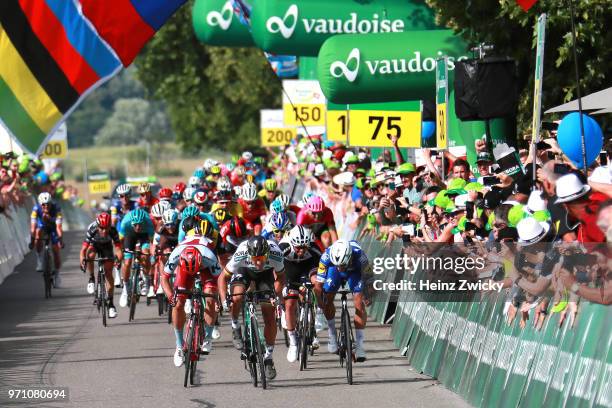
x=61, y=342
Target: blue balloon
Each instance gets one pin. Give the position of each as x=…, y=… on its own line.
x=568, y=136
x=428, y=129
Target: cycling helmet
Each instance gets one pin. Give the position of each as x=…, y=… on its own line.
x=190, y=261
x=205, y=228
x=158, y=209
x=230, y=166
x=124, y=189
x=276, y=206
x=144, y=188
x=270, y=184
x=315, y=204
x=300, y=236
x=138, y=216
x=223, y=196
x=280, y=221
x=258, y=246
x=307, y=196
x=224, y=184
x=200, y=197
x=180, y=187
x=44, y=198
x=208, y=163
x=340, y=252
x=190, y=211
x=194, y=181
x=170, y=217
x=199, y=173
x=249, y=192
x=238, y=190
x=221, y=215
x=215, y=169
x=238, y=227
x=165, y=194
x=103, y=220
x=284, y=199
x=189, y=193
x=247, y=155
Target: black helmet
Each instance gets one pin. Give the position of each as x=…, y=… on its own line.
x=258, y=246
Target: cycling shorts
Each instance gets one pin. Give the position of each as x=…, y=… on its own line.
x=132, y=238
x=298, y=273
x=183, y=281
x=49, y=231
x=263, y=280
x=102, y=250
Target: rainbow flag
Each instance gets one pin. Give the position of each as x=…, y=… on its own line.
x=53, y=53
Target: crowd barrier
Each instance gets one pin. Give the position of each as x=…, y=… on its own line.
x=469, y=347
x=15, y=233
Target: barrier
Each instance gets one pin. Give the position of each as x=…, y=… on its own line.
x=469, y=347
x=15, y=233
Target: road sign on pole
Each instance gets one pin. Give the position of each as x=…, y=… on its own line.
x=442, y=103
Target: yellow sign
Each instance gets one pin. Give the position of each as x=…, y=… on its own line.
x=55, y=149
x=277, y=136
x=375, y=128
x=337, y=125
x=99, y=187
x=441, y=117
x=303, y=114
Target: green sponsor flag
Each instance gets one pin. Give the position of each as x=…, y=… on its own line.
x=386, y=67
x=215, y=23
x=299, y=28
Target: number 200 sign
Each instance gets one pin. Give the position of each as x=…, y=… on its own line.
x=273, y=131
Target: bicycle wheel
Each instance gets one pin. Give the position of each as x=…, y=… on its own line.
x=188, y=342
x=348, y=345
x=247, y=352
x=47, y=273
x=194, y=357
x=134, y=297
x=102, y=297
x=304, y=325
x=169, y=309
x=311, y=328
x=160, y=304
x=258, y=349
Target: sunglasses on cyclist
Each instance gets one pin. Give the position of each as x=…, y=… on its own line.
x=300, y=248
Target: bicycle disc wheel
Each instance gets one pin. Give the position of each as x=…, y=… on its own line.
x=257, y=343
x=189, y=343
x=348, y=343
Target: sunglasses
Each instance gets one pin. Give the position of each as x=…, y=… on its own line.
x=300, y=248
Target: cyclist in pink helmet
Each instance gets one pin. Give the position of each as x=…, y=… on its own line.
x=320, y=219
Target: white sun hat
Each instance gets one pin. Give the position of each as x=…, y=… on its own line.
x=569, y=188
x=536, y=202
x=531, y=230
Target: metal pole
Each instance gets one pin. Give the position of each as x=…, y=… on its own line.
x=582, y=138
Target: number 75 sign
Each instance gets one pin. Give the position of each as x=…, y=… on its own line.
x=371, y=128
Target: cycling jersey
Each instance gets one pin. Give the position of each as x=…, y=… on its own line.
x=166, y=240
x=317, y=227
x=298, y=269
x=234, y=209
x=229, y=243
x=103, y=245
x=50, y=219
x=333, y=278
x=146, y=205
x=126, y=226
x=118, y=211
x=241, y=259
x=253, y=213
x=203, y=216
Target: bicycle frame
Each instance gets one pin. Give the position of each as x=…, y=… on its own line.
x=46, y=263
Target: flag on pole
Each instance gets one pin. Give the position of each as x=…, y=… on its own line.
x=55, y=52
x=526, y=4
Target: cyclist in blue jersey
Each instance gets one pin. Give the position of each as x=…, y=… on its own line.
x=46, y=220
x=122, y=204
x=344, y=261
x=193, y=211
x=136, y=228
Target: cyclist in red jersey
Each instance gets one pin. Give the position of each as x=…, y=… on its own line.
x=320, y=220
x=253, y=207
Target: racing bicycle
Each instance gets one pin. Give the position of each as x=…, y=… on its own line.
x=345, y=338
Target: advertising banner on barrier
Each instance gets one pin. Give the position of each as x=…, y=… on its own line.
x=299, y=28
x=273, y=130
x=386, y=67
x=215, y=23
x=303, y=103
x=99, y=183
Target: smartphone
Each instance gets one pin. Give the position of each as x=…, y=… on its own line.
x=490, y=180
x=603, y=158
x=391, y=185
x=469, y=210
x=561, y=168
x=408, y=229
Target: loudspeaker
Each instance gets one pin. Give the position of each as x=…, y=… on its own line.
x=485, y=89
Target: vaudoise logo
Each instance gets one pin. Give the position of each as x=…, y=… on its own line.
x=418, y=63
x=351, y=25
x=222, y=19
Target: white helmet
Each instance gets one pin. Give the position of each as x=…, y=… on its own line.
x=44, y=198
x=300, y=236
x=247, y=155
x=124, y=189
x=194, y=181
x=340, y=252
x=284, y=199
x=189, y=193
x=208, y=163
x=249, y=191
x=224, y=184
x=170, y=216
x=157, y=210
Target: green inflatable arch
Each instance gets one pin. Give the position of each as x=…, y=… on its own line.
x=215, y=23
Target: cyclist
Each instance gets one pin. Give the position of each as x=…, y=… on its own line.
x=146, y=199
x=260, y=261
x=343, y=261
x=100, y=238
x=276, y=228
x=165, y=194
x=46, y=220
x=156, y=213
x=192, y=257
x=136, y=227
x=122, y=204
x=269, y=192
x=201, y=201
x=198, y=215
x=253, y=207
x=224, y=200
x=301, y=260
x=164, y=241
x=232, y=233
x=177, y=195
x=320, y=219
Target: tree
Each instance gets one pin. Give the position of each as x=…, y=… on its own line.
x=134, y=120
x=213, y=94
x=505, y=25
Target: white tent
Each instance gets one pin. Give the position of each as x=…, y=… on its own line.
x=596, y=101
